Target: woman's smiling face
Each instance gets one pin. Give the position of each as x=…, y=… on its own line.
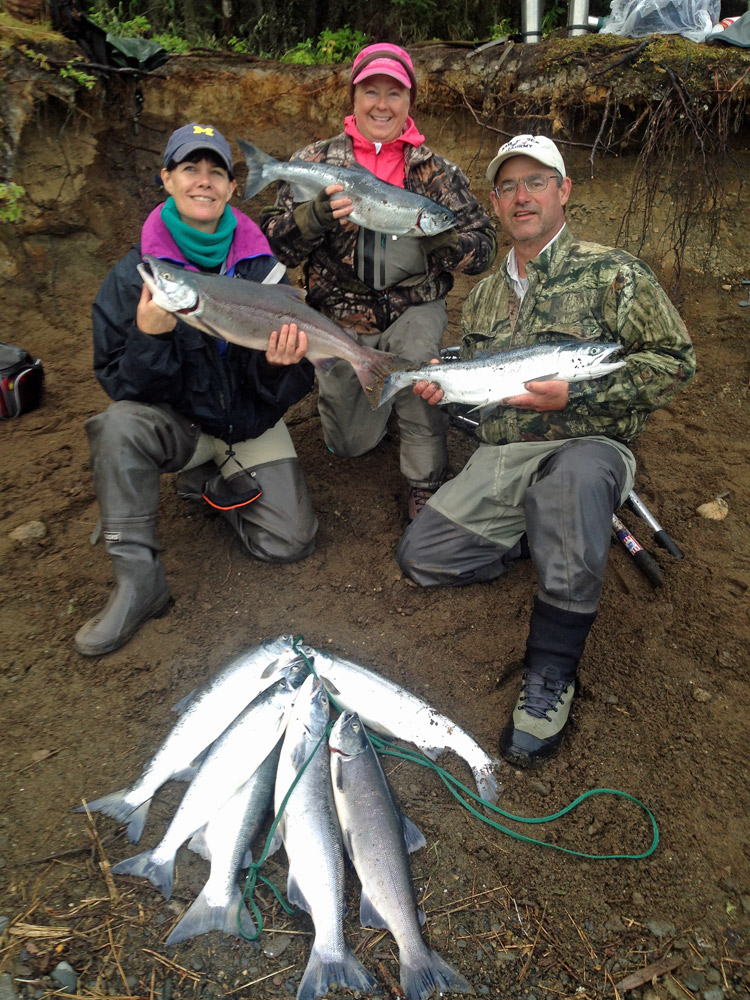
x=201, y=191
x=381, y=107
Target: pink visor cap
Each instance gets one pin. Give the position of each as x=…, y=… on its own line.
x=388, y=60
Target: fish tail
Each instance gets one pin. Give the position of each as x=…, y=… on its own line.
x=487, y=784
x=374, y=371
x=117, y=805
x=255, y=159
x=137, y=821
x=201, y=917
x=160, y=873
x=345, y=970
x=391, y=386
x=431, y=978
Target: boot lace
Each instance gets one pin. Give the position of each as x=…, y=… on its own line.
x=540, y=695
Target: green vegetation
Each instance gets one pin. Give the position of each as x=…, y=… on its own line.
x=331, y=47
x=11, y=195
x=70, y=72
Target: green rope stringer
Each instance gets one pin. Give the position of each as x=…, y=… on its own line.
x=455, y=787
x=452, y=784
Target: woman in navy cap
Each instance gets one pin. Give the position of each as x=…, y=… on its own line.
x=185, y=402
x=389, y=293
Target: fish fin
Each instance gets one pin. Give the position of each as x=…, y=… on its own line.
x=328, y=684
x=295, y=895
x=199, y=844
x=374, y=372
x=368, y=913
x=256, y=160
x=304, y=192
x=390, y=387
x=183, y=703
x=276, y=841
x=432, y=977
x=114, y=805
x=270, y=668
x=543, y=378
x=326, y=364
x=159, y=873
x=247, y=858
x=137, y=821
x=346, y=971
x=201, y=917
x=413, y=837
x=431, y=753
x=487, y=784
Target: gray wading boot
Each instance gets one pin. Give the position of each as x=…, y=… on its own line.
x=140, y=592
x=555, y=644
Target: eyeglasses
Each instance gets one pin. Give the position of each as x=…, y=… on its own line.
x=534, y=184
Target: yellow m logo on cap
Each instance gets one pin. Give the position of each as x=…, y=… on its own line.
x=199, y=130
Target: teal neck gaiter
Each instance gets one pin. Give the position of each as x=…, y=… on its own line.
x=205, y=250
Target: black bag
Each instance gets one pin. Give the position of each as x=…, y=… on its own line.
x=21, y=381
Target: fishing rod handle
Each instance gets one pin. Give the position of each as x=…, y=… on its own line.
x=663, y=540
x=643, y=560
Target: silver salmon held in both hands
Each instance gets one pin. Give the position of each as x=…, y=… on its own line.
x=392, y=711
x=491, y=377
x=205, y=715
x=373, y=837
x=376, y=204
x=312, y=840
x=245, y=313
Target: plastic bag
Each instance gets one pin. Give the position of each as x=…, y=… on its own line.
x=636, y=18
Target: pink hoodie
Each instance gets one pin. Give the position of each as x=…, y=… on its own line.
x=385, y=160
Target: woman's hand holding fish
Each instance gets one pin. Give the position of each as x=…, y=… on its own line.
x=152, y=319
x=541, y=396
x=287, y=346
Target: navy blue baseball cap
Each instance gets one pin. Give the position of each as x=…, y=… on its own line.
x=186, y=140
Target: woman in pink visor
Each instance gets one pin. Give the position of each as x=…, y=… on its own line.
x=389, y=292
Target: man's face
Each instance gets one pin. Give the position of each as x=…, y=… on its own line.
x=531, y=220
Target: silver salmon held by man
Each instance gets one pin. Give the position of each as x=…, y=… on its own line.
x=377, y=205
x=491, y=377
x=245, y=313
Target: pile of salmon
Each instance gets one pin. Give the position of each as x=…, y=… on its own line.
x=258, y=737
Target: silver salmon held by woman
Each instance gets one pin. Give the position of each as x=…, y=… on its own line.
x=491, y=377
x=245, y=313
x=377, y=205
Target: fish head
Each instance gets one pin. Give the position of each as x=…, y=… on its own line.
x=295, y=674
x=348, y=737
x=312, y=695
x=431, y=221
x=172, y=288
x=584, y=361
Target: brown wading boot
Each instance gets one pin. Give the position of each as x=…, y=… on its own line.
x=540, y=717
x=140, y=591
x=416, y=501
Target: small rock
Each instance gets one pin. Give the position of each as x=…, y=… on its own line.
x=637, y=898
x=611, y=699
x=714, y=510
x=65, y=975
x=541, y=787
x=660, y=928
x=7, y=989
x=713, y=993
x=673, y=989
x=32, y=531
x=277, y=945
x=701, y=695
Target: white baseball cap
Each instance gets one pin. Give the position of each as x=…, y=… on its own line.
x=539, y=147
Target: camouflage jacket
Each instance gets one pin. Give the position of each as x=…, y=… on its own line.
x=329, y=266
x=587, y=292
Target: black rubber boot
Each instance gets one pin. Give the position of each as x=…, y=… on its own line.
x=555, y=644
x=140, y=592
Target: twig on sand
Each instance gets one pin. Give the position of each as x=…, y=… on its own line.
x=104, y=866
x=647, y=973
x=527, y=963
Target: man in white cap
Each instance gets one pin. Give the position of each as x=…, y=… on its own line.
x=553, y=463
